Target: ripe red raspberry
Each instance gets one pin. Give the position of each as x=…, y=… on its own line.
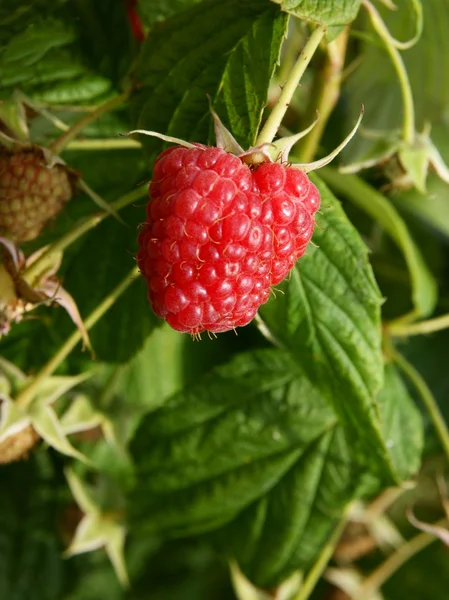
x=219, y=234
x=30, y=193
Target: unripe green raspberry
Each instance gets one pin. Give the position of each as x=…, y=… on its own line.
x=31, y=193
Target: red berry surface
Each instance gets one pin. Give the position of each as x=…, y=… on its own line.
x=219, y=234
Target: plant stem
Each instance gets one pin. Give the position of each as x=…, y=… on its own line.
x=430, y=326
x=318, y=568
x=31, y=273
x=328, y=93
x=103, y=144
x=272, y=124
x=27, y=395
x=408, y=125
x=426, y=395
x=60, y=144
x=380, y=575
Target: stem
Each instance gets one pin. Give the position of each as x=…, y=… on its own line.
x=272, y=124
x=380, y=575
x=329, y=91
x=60, y=144
x=318, y=568
x=31, y=273
x=426, y=395
x=103, y=144
x=27, y=395
x=399, y=329
x=408, y=125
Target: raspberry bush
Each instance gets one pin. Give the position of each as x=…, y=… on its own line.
x=245, y=394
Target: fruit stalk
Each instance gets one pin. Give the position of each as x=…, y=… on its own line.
x=27, y=395
x=272, y=124
x=328, y=92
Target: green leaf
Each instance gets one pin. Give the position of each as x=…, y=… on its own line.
x=424, y=288
x=216, y=447
x=176, y=73
x=322, y=11
x=30, y=46
x=256, y=441
x=328, y=318
x=84, y=89
x=314, y=492
x=244, y=90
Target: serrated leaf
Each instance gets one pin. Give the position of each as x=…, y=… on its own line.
x=251, y=415
x=314, y=493
x=254, y=435
x=424, y=288
x=244, y=88
x=328, y=318
x=176, y=73
x=322, y=11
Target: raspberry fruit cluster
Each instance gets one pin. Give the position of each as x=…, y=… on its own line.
x=31, y=193
x=219, y=234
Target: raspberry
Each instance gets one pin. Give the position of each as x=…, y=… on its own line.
x=218, y=235
x=30, y=193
